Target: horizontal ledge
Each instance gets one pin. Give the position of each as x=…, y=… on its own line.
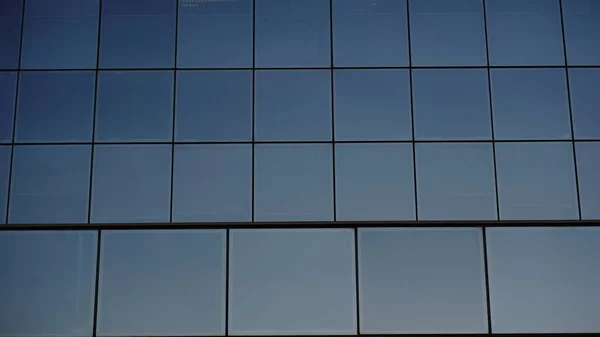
x=402, y=335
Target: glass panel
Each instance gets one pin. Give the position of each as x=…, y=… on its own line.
x=137, y=35
x=131, y=183
x=524, y=32
x=214, y=34
x=162, y=282
x=10, y=33
x=8, y=92
x=212, y=183
x=293, y=182
x=584, y=84
x=536, y=181
x=60, y=34
x=293, y=105
x=50, y=184
x=48, y=281
x=447, y=33
x=4, y=178
x=134, y=106
x=544, y=280
x=530, y=104
x=451, y=104
x=214, y=106
x=304, y=277
x=372, y=105
x=55, y=106
x=370, y=33
x=374, y=182
x=292, y=33
x=582, y=31
x=588, y=173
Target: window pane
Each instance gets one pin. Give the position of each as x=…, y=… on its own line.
x=131, y=183
x=293, y=105
x=582, y=31
x=536, y=181
x=293, y=182
x=524, y=32
x=530, y=104
x=4, y=177
x=292, y=33
x=214, y=34
x=447, y=33
x=162, y=282
x=584, y=84
x=305, y=277
x=50, y=184
x=8, y=88
x=214, y=106
x=48, y=281
x=369, y=33
x=10, y=33
x=137, y=36
x=400, y=275
x=372, y=105
x=134, y=106
x=374, y=182
x=588, y=164
x=544, y=280
x=60, y=34
x=212, y=183
x=451, y=104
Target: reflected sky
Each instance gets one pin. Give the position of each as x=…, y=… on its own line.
x=582, y=31
x=584, y=84
x=4, y=177
x=588, y=164
x=10, y=33
x=8, y=87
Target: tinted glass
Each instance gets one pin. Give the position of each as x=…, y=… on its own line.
x=50, y=184
x=544, y=280
x=214, y=34
x=293, y=105
x=530, y=104
x=212, y=183
x=8, y=88
x=55, y=106
x=137, y=35
x=134, y=106
x=536, y=181
x=372, y=105
x=214, y=106
x=585, y=102
x=60, y=34
x=582, y=31
x=374, y=182
x=131, y=183
x=306, y=278
x=588, y=162
x=292, y=33
x=4, y=178
x=293, y=182
x=524, y=32
x=451, y=104
x=48, y=281
x=10, y=33
x=445, y=33
x=400, y=271
x=157, y=283
x=455, y=181
x=368, y=33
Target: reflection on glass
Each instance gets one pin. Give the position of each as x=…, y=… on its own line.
x=48, y=281
x=588, y=173
x=302, y=279
x=4, y=177
x=582, y=31
x=8, y=88
x=10, y=33
x=584, y=84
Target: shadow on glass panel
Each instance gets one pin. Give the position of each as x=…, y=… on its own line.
x=588, y=173
x=584, y=84
x=582, y=31
x=8, y=91
x=5, y=153
x=10, y=33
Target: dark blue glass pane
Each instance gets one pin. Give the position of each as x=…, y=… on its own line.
x=50, y=184
x=588, y=173
x=292, y=33
x=212, y=183
x=451, y=104
x=214, y=106
x=162, y=282
x=524, y=32
x=374, y=182
x=60, y=34
x=455, y=181
x=10, y=33
x=131, y=183
x=137, y=34
x=293, y=105
x=544, y=280
x=585, y=102
x=372, y=105
x=293, y=182
x=4, y=178
x=48, y=281
x=8, y=88
x=134, y=106
x=530, y=104
x=215, y=34
x=55, y=106
x=370, y=33
x=536, y=181
x=304, y=277
x=582, y=31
